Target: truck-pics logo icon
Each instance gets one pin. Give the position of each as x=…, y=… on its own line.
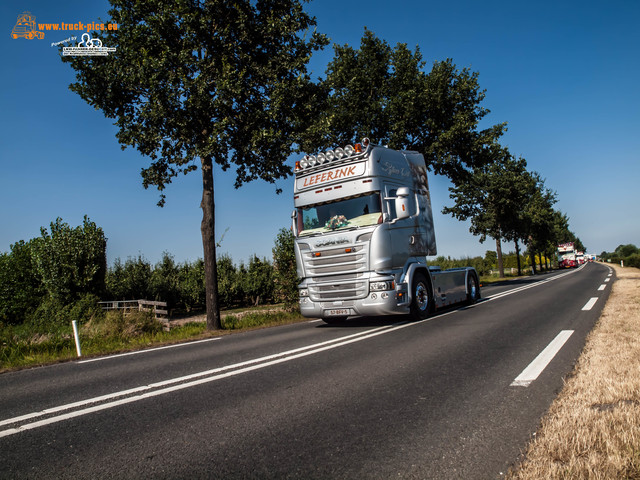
x=25, y=27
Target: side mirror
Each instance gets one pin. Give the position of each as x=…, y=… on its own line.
x=402, y=203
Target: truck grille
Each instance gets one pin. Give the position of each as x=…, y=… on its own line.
x=338, y=273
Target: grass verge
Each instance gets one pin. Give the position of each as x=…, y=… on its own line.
x=592, y=429
x=22, y=347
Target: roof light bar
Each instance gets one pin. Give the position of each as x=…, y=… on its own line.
x=309, y=161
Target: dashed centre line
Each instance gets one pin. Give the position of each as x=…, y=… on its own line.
x=589, y=305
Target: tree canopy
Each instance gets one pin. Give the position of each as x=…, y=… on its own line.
x=384, y=93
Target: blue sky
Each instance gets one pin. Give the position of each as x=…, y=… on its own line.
x=564, y=75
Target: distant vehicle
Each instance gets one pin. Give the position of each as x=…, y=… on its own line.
x=567, y=255
x=580, y=258
x=25, y=27
x=364, y=226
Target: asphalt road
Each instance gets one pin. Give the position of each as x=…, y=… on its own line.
x=448, y=397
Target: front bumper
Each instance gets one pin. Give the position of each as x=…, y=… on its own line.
x=388, y=302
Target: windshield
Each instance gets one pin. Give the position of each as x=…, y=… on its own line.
x=345, y=213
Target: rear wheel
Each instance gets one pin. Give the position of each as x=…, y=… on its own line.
x=421, y=297
x=473, y=289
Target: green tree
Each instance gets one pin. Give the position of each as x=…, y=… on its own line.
x=212, y=81
x=228, y=281
x=20, y=286
x=259, y=281
x=131, y=280
x=537, y=220
x=115, y=281
x=284, y=268
x=626, y=250
x=71, y=261
x=191, y=285
x=382, y=92
x=164, y=281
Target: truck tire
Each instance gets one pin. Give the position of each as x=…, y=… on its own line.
x=421, y=298
x=473, y=289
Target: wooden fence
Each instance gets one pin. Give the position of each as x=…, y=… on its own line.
x=159, y=309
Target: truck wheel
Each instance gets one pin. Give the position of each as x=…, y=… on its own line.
x=473, y=290
x=334, y=320
x=421, y=299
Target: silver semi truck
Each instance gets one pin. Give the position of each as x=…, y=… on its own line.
x=364, y=227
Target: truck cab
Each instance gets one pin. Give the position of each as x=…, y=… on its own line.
x=567, y=255
x=364, y=226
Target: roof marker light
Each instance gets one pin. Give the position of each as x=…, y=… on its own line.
x=358, y=147
x=322, y=158
x=339, y=153
x=349, y=150
x=330, y=155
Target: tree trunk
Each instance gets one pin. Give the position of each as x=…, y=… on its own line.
x=532, y=256
x=518, y=258
x=209, y=244
x=499, y=252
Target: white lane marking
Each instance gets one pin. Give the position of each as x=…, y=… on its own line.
x=607, y=279
x=589, y=305
x=538, y=365
x=290, y=354
x=602, y=287
x=147, y=350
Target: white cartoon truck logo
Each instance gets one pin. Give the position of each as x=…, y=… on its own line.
x=26, y=27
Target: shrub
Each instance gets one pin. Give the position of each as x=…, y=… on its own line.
x=122, y=324
x=284, y=268
x=71, y=261
x=633, y=260
x=52, y=314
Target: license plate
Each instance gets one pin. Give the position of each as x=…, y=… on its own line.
x=338, y=312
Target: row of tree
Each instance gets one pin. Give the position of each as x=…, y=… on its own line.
x=66, y=265
x=504, y=201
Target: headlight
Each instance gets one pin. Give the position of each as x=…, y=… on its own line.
x=379, y=286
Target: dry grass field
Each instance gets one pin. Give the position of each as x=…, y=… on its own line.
x=592, y=430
